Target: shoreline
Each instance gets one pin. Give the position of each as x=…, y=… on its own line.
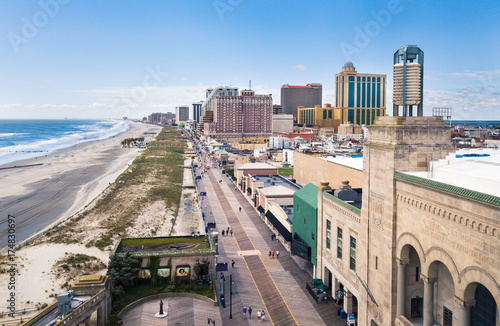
x=75, y=176
x=48, y=152
x=38, y=280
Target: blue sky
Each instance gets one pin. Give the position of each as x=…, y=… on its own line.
x=108, y=59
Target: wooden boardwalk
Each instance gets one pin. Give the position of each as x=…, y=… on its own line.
x=278, y=311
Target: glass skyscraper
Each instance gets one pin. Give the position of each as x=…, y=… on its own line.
x=361, y=97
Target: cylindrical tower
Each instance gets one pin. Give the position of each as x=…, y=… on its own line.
x=408, y=87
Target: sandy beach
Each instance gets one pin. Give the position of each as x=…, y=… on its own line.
x=58, y=185
x=97, y=163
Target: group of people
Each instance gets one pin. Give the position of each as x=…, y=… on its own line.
x=261, y=314
x=272, y=253
x=228, y=231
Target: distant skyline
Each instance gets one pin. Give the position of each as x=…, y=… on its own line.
x=109, y=59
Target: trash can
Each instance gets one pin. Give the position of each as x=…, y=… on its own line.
x=342, y=313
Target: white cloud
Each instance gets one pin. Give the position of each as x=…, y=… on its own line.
x=467, y=103
x=481, y=75
x=300, y=67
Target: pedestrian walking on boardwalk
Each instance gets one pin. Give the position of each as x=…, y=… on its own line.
x=263, y=316
x=223, y=232
x=231, y=232
x=277, y=253
x=273, y=254
x=249, y=312
x=240, y=209
x=232, y=263
x=269, y=254
x=259, y=314
x=244, y=312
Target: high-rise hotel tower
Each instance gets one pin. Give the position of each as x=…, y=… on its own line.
x=408, y=81
x=361, y=97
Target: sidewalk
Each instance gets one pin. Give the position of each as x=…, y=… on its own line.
x=261, y=273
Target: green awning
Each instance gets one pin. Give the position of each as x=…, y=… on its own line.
x=323, y=287
x=317, y=281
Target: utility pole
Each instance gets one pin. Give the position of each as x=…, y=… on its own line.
x=231, y=296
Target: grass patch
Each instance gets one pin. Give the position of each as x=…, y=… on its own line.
x=149, y=242
x=286, y=172
x=155, y=175
x=72, y=265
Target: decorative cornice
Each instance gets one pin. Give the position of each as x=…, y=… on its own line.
x=467, y=193
x=342, y=203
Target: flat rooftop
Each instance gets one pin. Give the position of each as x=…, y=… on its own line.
x=478, y=173
x=349, y=161
x=275, y=180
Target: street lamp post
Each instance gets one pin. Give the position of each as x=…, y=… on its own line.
x=231, y=296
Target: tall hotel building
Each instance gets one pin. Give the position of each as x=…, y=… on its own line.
x=307, y=96
x=206, y=107
x=182, y=113
x=212, y=93
x=197, y=111
x=408, y=81
x=361, y=97
x=239, y=117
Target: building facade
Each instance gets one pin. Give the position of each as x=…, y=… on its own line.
x=408, y=88
x=361, y=97
x=306, y=96
x=212, y=93
x=419, y=251
x=282, y=123
x=241, y=117
x=197, y=111
x=305, y=232
x=182, y=113
x=324, y=117
x=161, y=118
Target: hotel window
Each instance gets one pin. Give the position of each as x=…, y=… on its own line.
x=352, y=254
x=339, y=243
x=328, y=233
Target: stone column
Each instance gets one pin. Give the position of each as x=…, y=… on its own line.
x=463, y=311
x=348, y=302
x=401, y=289
x=428, y=300
x=101, y=316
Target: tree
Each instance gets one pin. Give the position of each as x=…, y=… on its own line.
x=201, y=268
x=123, y=270
x=153, y=264
x=114, y=320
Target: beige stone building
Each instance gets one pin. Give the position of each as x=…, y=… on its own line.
x=333, y=170
x=421, y=250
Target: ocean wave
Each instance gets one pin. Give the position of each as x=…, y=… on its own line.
x=12, y=134
x=82, y=133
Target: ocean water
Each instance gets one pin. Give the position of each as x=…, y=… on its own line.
x=24, y=139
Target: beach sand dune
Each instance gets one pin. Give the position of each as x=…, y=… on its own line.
x=41, y=195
